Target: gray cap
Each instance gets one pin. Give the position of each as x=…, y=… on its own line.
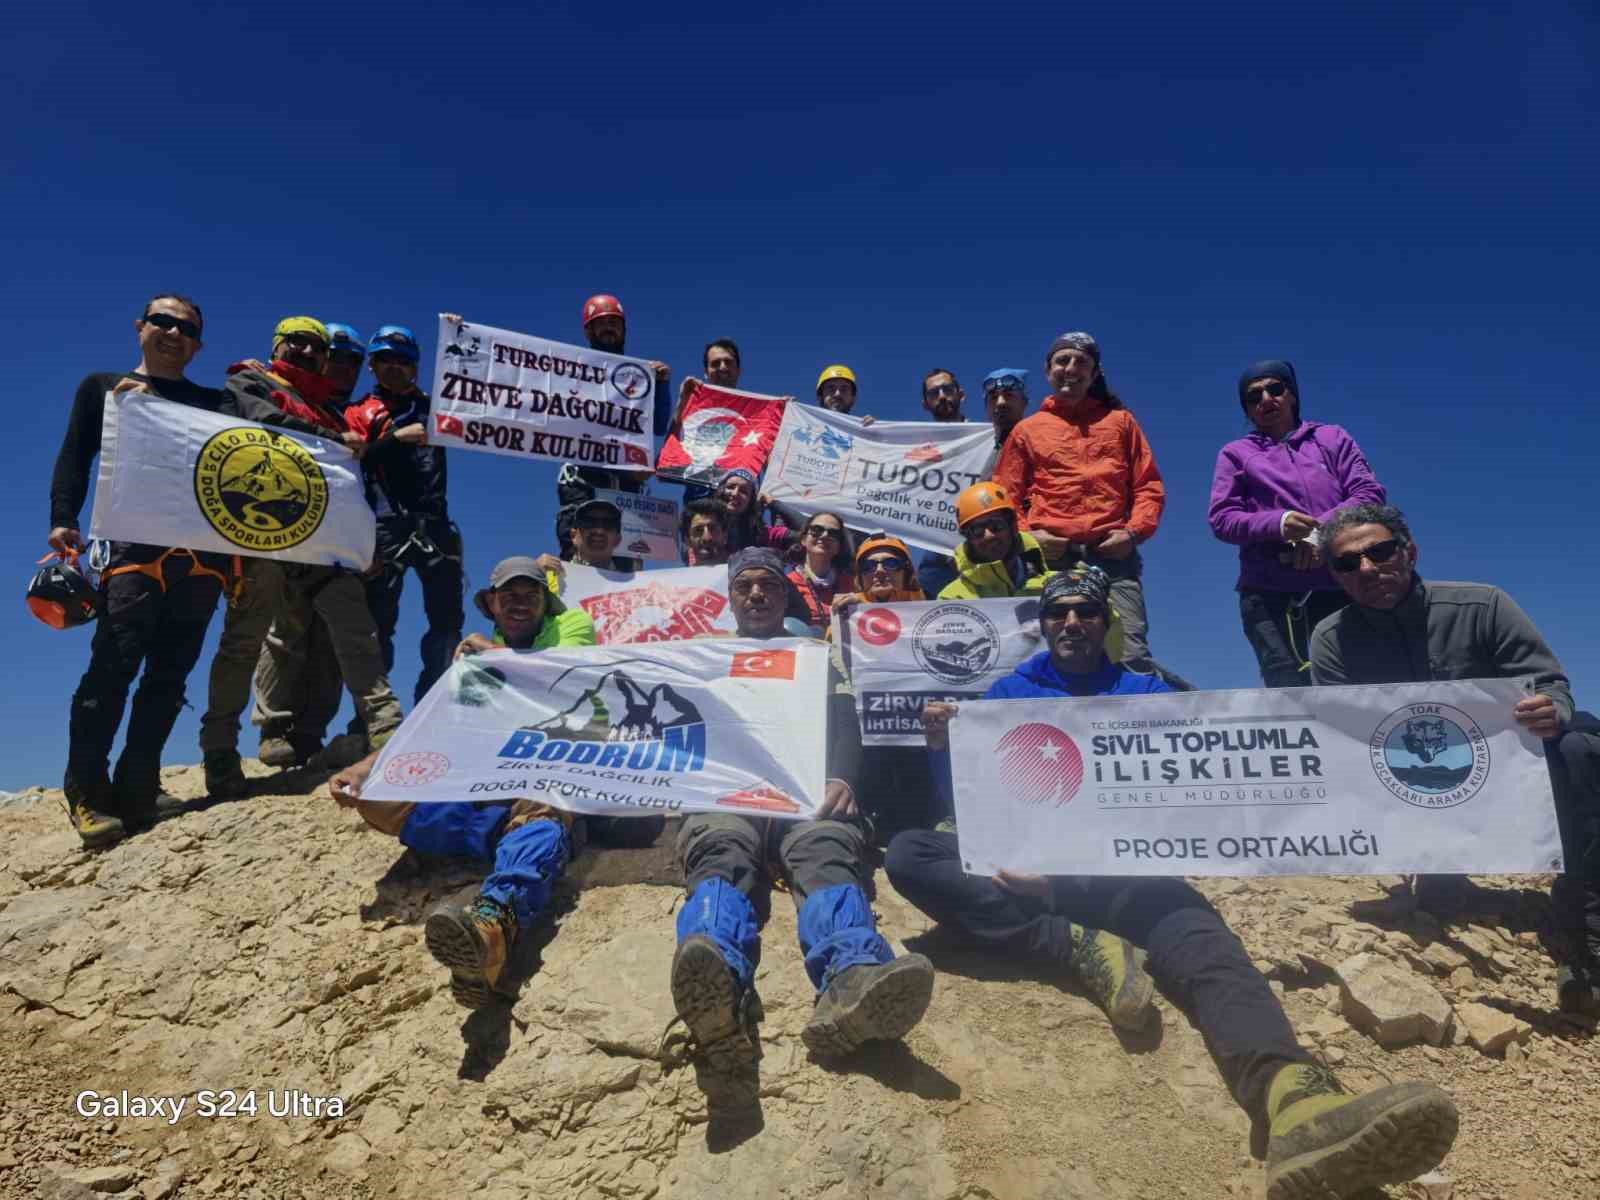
x=519, y=566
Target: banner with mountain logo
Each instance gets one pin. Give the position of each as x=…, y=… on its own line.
x=901, y=477
x=172, y=475
x=728, y=725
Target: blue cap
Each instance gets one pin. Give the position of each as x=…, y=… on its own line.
x=1014, y=376
x=343, y=339
x=396, y=340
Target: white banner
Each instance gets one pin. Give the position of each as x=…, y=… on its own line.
x=1383, y=780
x=510, y=393
x=651, y=606
x=900, y=656
x=902, y=477
x=173, y=475
x=649, y=525
x=716, y=726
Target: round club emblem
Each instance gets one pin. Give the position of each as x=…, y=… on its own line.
x=878, y=626
x=708, y=433
x=1039, y=764
x=415, y=768
x=1430, y=755
x=631, y=380
x=955, y=643
x=260, y=490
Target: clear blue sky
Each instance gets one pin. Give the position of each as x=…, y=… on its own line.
x=1400, y=198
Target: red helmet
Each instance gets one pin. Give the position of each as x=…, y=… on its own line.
x=601, y=306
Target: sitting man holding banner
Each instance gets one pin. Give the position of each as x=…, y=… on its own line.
x=1401, y=629
x=864, y=991
x=291, y=392
x=1321, y=1140
x=529, y=842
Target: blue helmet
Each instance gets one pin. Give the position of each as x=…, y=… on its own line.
x=343, y=339
x=396, y=340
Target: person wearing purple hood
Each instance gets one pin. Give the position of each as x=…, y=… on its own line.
x=1270, y=491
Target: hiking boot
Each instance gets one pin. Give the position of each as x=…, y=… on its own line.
x=1575, y=991
x=86, y=810
x=225, y=778
x=287, y=751
x=1325, y=1144
x=137, y=795
x=1111, y=970
x=473, y=942
x=869, y=1002
x=343, y=751
x=716, y=1011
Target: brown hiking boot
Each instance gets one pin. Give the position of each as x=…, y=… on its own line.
x=284, y=752
x=1325, y=1144
x=86, y=810
x=869, y=1002
x=720, y=1016
x=473, y=942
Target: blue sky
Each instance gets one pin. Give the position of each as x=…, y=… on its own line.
x=1397, y=197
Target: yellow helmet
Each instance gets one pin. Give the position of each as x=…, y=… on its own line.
x=837, y=371
x=300, y=325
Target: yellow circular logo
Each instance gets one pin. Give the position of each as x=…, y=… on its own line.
x=259, y=489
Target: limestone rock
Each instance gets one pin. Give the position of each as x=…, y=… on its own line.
x=1443, y=959
x=1394, y=1006
x=1490, y=1029
x=349, y=1154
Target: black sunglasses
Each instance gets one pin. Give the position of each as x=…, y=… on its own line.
x=308, y=342
x=168, y=322
x=1275, y=389
x=822, y=531
x=888, y=562
x=1086, y=612
x=612, y=524
x=1378, y=552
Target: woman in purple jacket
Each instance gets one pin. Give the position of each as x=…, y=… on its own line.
x=1271, y=490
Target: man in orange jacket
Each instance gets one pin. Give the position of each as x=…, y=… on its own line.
x=1086, y=482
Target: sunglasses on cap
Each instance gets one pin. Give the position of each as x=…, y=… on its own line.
x=1005, y=383
x=1276, y=389
x=1086, y=610
x=883, y=562
x=1378, y=552
x=822, y=531
x=168, y=323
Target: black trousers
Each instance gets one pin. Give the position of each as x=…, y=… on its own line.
x=1574, y=763
x=811, y=854
x=1195, y=958
x=1278, y=627
x=435, y=556
x=140, y=624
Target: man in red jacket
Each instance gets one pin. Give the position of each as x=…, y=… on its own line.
x=291, y=392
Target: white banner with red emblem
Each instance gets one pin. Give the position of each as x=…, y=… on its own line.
x=511, y=393
x=670, y=605
x=901, y=477
x=731, y=726
x=900, y=656
x=1382, y=780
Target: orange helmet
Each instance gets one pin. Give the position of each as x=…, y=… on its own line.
x=980, y=500
x=601, y=306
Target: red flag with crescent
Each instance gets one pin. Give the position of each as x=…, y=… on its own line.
x=717, y=431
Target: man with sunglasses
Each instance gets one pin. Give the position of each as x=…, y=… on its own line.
x=942, y=398
x=290, y=391
x=596, y=534
x=1005, y=400
x=995, y=558
x=156, y=601
x=346, y=354
x=1400, y=628
x=1321, y=1140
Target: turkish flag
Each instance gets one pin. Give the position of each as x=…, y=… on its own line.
x=720, y=429
x=762, y=664
x=449, y=424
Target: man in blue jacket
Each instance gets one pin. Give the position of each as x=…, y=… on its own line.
x=1321, y=1140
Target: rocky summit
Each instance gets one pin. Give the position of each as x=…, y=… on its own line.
x=238, y=1003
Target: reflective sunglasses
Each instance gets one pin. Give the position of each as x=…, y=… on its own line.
x=822, y=531
x=1006, y=383
x=942, y=389
x=168, y=323
x=1275, y=389
x=1086, y=612
x=999, y=523
x=309, y=342
x=1378, y=552
x=887, y=562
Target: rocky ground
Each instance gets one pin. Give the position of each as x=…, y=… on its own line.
x=273, y=945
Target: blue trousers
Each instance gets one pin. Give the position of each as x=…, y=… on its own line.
x=528, y=858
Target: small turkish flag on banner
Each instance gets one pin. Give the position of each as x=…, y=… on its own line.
x=721, y=429
x=449, y=424
x=762, y=664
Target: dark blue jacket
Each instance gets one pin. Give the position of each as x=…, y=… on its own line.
x=1038, y=677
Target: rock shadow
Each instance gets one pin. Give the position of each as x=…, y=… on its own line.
x=896, y=1066
x=486, y=1033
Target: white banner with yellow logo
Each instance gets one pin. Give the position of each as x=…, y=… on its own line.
x=172, y=475
x=1382, y=780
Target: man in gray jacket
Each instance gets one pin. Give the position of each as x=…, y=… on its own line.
x=1401, y=629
